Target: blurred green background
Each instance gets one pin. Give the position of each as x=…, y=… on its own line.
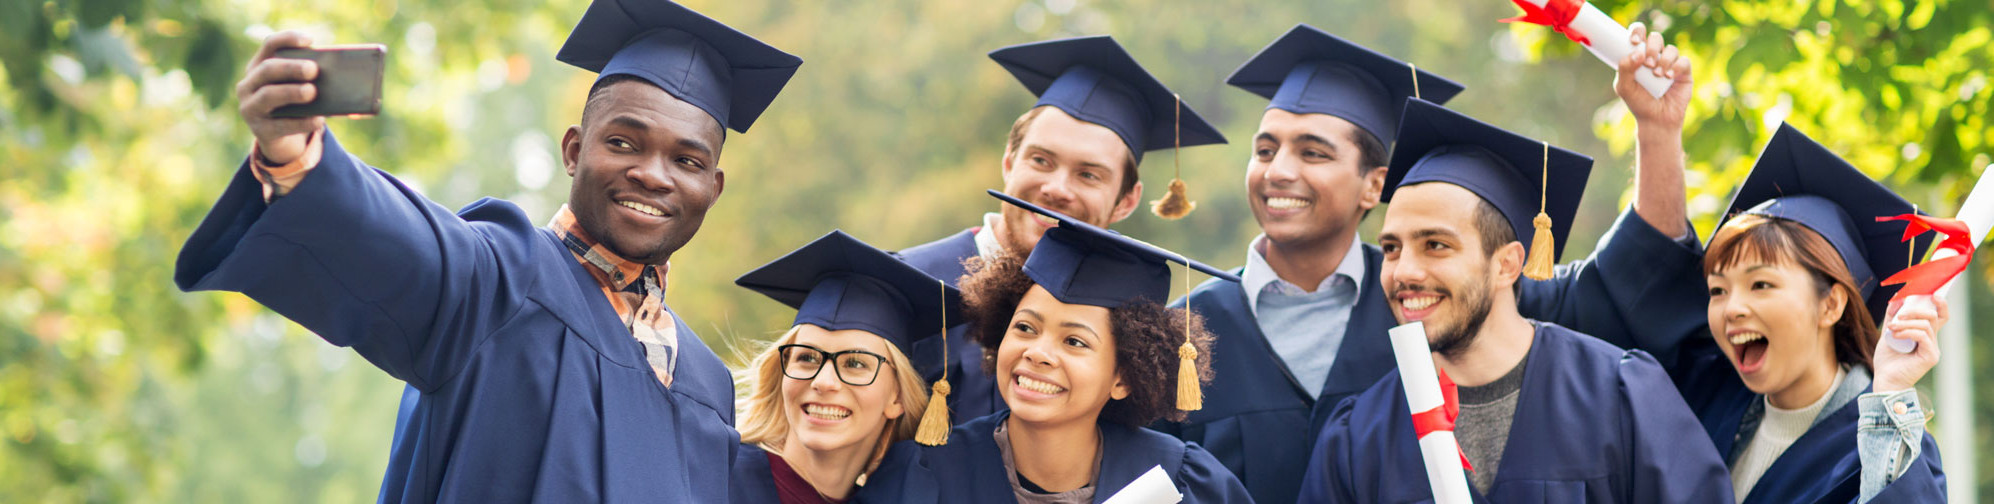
x=118, y=128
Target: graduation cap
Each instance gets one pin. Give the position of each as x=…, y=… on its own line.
x=839, y=283
x=1093, y=79
x=1309, y=71
x=729, y=74
x=1797, y=179
x=1510, y=171
x=1079, y=263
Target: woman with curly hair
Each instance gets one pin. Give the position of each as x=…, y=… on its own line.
x=821, y=405
x=1085, y=354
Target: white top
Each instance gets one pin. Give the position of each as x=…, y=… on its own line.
x=986, y=237
x=1779, y=429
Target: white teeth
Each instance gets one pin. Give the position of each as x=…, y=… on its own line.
x=1286, y=203
x=1418, y=303
x=1747, y=337
x=1048, y=221
x=826, y=412
x=653, y=211
x=1039, y=386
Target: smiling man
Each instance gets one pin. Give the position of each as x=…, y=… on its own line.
x=542, y=362
x=1075, y=152
x=1547, y=414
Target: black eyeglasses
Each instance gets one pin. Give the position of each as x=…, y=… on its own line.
x=857, y=368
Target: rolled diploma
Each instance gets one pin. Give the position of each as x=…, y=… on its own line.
x=1978, y=215
x=1422, y=392
x=1152, y=487
x=1607, y=40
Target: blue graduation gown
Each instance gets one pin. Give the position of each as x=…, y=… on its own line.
x=530, y=387
x=1593, y=423
x=753, y=481
x=970, y=469
x=1259, y=421
x=972, y=392
x=1822, y=466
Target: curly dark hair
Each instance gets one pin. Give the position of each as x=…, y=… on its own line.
x=1146, y=336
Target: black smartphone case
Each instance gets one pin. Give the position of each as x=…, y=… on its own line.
x=349, y=81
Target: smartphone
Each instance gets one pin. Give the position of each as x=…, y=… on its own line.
x=349, y=80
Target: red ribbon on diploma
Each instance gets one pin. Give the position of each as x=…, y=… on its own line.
x=1925, y=279
x=1557, y=14
x=1441, y=418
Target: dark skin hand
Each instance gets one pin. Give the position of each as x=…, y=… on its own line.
x=646, y=167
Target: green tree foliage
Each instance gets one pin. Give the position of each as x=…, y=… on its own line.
x=118, y=129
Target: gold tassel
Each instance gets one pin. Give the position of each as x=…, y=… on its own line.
x=1542, y=247
x=1174, y=204
x=934, y=429
x=1189, y=396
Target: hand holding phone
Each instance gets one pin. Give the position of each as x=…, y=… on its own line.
x=348, y=83
x=274, y=83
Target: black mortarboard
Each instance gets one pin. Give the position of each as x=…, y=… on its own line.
x=1797, y=179
x=1309, y=71
x=1079, y=263
x=729, y=74
x=1094, y=80
x=838, y=282
x=1506, y=169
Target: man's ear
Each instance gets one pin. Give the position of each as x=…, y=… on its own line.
x=1374, y=188
x=1127, y=203
x=571, y=149
x=1008, y=153
x=1508, y=265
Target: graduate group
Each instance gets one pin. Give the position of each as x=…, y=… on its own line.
x=1036, y=357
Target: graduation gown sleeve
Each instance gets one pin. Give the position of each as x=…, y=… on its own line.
x=365, y=262
x=1657, y=425
x=1638, y=289
x=753, y=480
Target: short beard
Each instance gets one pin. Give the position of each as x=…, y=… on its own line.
x=1454, y=341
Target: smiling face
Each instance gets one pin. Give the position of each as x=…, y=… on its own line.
x=1068, y=166
x=646, y=169
x=1438, y=267
x=1308, y=180
x=1779, y=312
x=825, y=413
x=1056, y=364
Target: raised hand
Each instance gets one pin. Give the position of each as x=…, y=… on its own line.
x=1897, y=370
x=1652, y=55
x=275, y=82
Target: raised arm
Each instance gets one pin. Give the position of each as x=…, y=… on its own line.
x=1642, y=286
x=349, y=252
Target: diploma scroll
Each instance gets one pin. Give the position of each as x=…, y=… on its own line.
x=1153, y=487
x=1445, y=471
x=1598, y=32
x=1978, y=216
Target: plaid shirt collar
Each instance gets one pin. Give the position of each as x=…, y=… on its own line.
x=635, y=290
x=617, y=273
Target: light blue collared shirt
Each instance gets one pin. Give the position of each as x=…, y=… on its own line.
x=1304, y=327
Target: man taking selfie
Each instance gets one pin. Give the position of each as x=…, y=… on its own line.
x=544, y=363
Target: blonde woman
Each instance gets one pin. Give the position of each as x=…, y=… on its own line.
x=821, y=405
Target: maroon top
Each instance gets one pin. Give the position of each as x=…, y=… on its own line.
x=791, y=488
